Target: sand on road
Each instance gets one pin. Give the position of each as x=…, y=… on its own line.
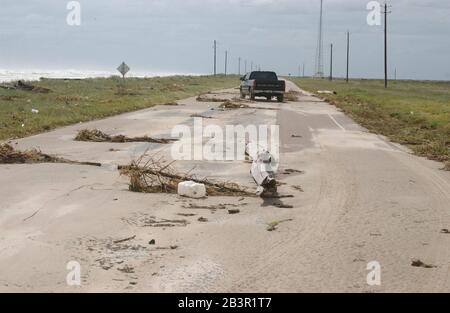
x=357, y=199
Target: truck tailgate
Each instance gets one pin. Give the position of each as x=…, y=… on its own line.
x=271, y=85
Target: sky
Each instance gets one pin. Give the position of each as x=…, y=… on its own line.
x=177, y=36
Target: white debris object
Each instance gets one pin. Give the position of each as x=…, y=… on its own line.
x=253, y=150
x=34, y=111
x=326, y=92
x=263, y=174
x=191, y=189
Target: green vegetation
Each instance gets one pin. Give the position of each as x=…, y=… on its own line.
x=74, y=101
x=413, y=113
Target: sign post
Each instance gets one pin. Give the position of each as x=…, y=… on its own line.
x=123, y=69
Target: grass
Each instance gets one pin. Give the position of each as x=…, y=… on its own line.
x=75, y=101
x=413, y=113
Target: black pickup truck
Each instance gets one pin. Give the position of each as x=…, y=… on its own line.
x=262, y=84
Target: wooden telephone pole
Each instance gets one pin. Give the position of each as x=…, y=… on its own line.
x=331, y=62
x=348, y=54
x=215, y=57
x=386, y=12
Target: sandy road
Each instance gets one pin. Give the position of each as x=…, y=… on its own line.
x=364, y=199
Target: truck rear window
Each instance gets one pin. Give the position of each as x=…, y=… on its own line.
x=263, y=76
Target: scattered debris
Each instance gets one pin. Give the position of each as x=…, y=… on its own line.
x=202, y=219
x=95, y=135
x=234, y=211
x=201, y=116
x=263, y=174
x=281, y=205
x=207, y=207
x=157, y=176
x=262, y=169
x=277, y=196
x=21, y=85
x=192, y=189
x=153, y=222
x=34, y=111
x=124, y=240
x=203, y=98
x=230, y=105
x=233, y=105
x=8, y=98
x=445, y=231
x=298, y=188
x=8, y=155
x=296, y=136
x=186, y=214
x=447, y=166
x=126, y=269
x=274, y=225
x=292, y=171
x=419, y=263
x=152, y=242
x=292, y=95
x=171, y=104
x=327, y=92
x=7, y=87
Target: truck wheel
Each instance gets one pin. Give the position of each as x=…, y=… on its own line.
x=242, y=95
x=280, y=98
x=269, y=98
x=252, y=95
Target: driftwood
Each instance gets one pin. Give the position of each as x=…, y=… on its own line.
x=21, y=85
x=95, y=135
x=9, y=155
x=157, y=176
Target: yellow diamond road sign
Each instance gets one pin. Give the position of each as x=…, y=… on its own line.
x=123, y=69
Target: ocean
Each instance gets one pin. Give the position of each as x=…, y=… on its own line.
x=7, y=75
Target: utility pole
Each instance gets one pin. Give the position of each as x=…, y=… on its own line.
x=386, y=12
x=226, y=61
x=319, y=72
x=331, y=62
x=215, y=57
x=348, y=53
x=303, y=70
x=239, y=66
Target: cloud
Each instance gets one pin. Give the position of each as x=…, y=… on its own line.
x=177, y=34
